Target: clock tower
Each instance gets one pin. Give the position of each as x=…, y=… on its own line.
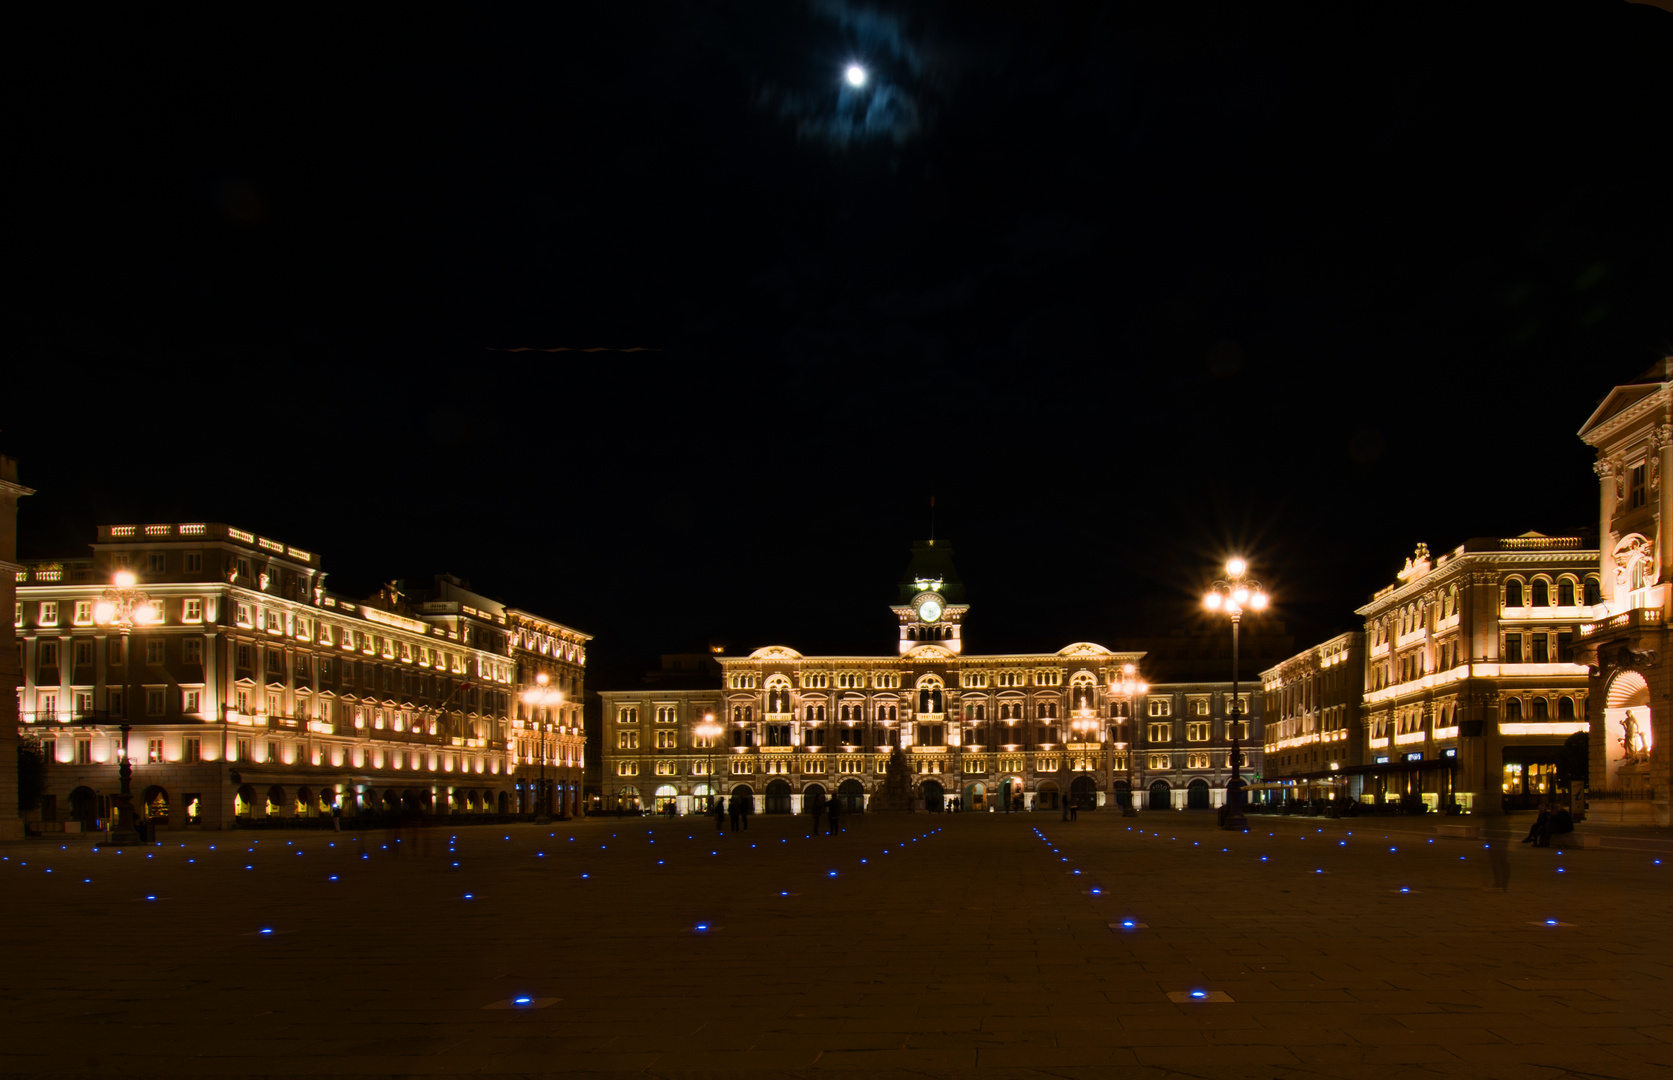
x=931, y=606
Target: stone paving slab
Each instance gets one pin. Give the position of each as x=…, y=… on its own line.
x=922, y=946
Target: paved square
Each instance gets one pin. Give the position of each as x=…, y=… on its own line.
x=922, y=945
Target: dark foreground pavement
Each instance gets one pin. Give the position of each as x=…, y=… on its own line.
x=921, y=946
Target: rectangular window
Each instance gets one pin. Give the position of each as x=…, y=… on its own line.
x=84, y=613
x=1161, y=761
x=627, y=740
x=191, y=751
x=666, y=740
x=84, y=702
x=154, y=751
x=155, y=562
x=1196, y=761
x=1161, y=707
x=1197, y=731
x=153, y=651
x=1513, y=648
x=46, y=706
x=1541, y=650
x=665, y=768
x=194, y=561
x=49, y=613
x=1159, y=733
x=192, y=703
x=272, y=752
x=1565, y=648
x=191, y=650
x=244, y=753
x=666, y=714
x=153, y=703
x=113, y=699
x=1636, y=490
x=242, y=614
x=627, y=768
x=192, y=610
x=46, y=653
x=84, y=653
x=1199, y=708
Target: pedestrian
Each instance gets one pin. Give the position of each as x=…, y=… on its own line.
x=737, y=810
x=748, y=809
x=1538, y=827
x=1074, y=809
x=720, y=815
x=1498, y=855
x=337, y=817
x=836, y=816
x=818, y=808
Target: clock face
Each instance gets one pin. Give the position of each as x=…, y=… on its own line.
x=929, y=610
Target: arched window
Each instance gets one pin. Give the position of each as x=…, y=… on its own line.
x=1542, y=593
x=1565, y=592
x=1593, y=592
x=1542, y=709
x=1513, y=594
x=1565, y=708
x=1513, y=709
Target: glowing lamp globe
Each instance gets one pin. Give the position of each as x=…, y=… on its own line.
x=1258, y=601
x=1212, y=601
x=124, y=579
x=1235, y=567
x=856, y=75
x=104, y=611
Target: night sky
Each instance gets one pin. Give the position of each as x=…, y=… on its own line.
x=1122, y=289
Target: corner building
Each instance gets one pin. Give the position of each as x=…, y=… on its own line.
x=251, y=691
x=1472, y=681
x=979, y=732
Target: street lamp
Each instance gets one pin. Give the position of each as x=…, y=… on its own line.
x=1129, y=687
x=541, y=696
x=1232, y=595
x=709, y=731
x=122, y=607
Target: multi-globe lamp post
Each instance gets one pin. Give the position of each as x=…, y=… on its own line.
x=708, y=730
x=1128, y=687
x=1232, y=596
x=122, y=607
x=541, y=699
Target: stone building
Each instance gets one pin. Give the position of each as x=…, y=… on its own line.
x=980, y=732
x=1315, y=741
x=1626, y=642
x=249, y=690
x=1471, y=682
x=11, y=674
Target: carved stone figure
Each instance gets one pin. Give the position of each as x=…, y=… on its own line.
x=1633, y=745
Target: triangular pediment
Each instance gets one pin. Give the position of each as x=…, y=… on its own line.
x=1618, y=402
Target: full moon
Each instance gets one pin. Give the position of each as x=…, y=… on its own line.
x=856, y=75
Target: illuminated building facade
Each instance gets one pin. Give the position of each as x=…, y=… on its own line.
x=1471, y=682
x=1027, y=730
x=252, y=691
x=1626, y=643
x=11, y=674
x=1315, y=741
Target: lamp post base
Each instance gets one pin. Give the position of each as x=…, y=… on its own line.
x=1235, y=822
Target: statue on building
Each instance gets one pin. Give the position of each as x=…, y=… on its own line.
x=1633, y=744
